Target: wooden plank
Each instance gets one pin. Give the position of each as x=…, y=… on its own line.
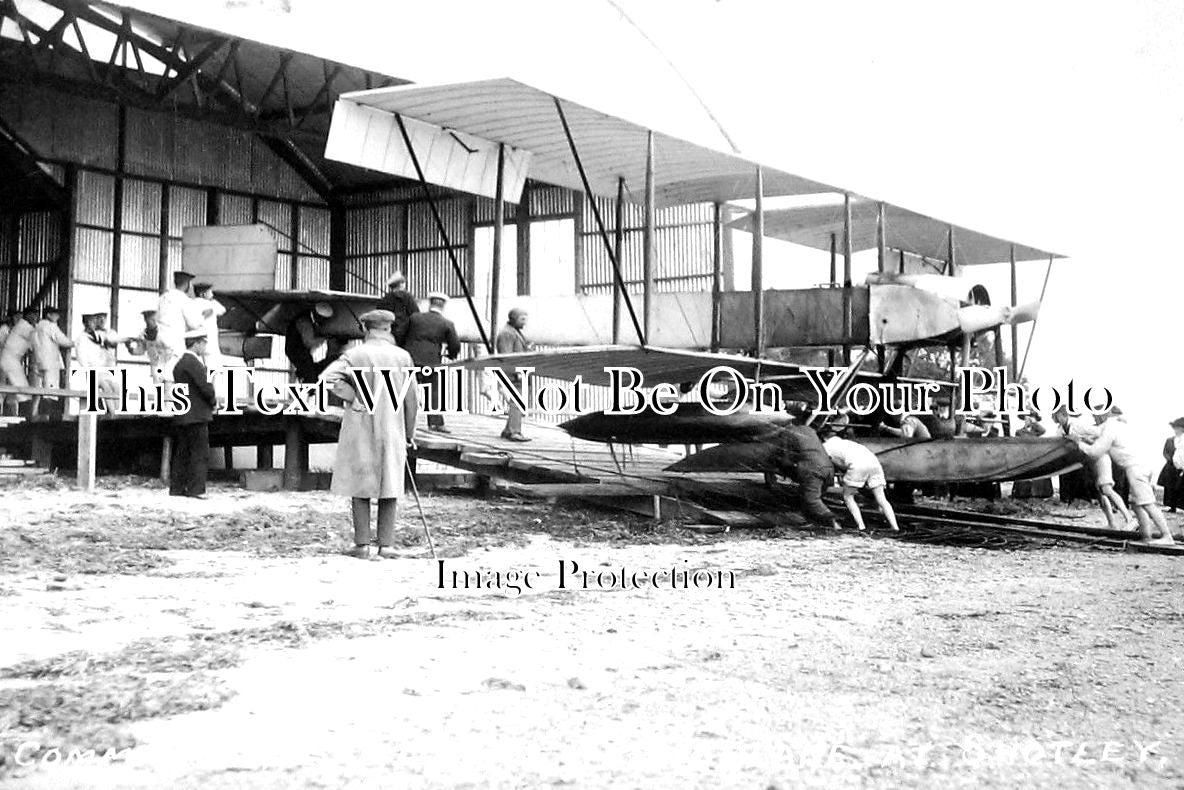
x=12, y=389
x=592, y=489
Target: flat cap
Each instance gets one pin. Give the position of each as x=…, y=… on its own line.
x=377, y=317
x=196, y=334
x=437, y=296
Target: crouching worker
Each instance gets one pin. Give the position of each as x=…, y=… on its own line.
x=802, y=458
x=375, y=438
x=860, y=468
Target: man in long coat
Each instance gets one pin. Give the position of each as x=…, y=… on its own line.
x=427, y=334
x=375, y=438
x=191, y=437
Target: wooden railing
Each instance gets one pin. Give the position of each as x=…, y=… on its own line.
x=87, y=429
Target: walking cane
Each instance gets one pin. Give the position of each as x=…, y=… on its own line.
x=423, y=519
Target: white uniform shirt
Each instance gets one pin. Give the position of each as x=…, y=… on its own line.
x=19, y=340
x=847, y=454
x=48, y=342
x=170, y=318
x=1115, y=440
x=213, y=357
x=97, y=351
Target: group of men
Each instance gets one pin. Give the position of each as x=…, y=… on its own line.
x=1106, y=441
x=811, y=460
x=430, y=338
x=40, y=341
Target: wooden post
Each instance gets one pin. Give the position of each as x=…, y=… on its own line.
x=88, y=434
x=951, y=262
x=900, y=266
x=847, y=295
x=295, y=454
x=577, y=221
x=647, y=249
x=166, y=459
x=881, y=240
x=42, y=451
x=834, y=259
x=834, y=280
x=619, y=252
x=522, y=219
x=264, y=456
x=1015, y=328
x=758, y=265
x=717, y=262
x=337, y=249
x=499, y=227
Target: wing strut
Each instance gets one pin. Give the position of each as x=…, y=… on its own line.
x=612, y=256
x=460, y=275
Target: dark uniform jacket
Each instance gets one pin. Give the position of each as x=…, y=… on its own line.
x=403, y=305
x=426, y=333
x=801, y=449
x=190, y=370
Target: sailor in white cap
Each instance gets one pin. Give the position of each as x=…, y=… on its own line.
x=375, y=438
x=191, y=429
x=211, y=310
x=95, y=348
x=48, y=342
x=148, y=342
x=175, y=315
x=12, y=356
x=427, y=334
x=401, y=302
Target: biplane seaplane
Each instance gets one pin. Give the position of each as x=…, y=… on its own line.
x=486, y=138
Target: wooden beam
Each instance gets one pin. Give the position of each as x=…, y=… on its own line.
x=295, y=454
x=647, y=241
x=499, y=232
x=619, y=248
x=881, y=239
x=1015, y=328
x=295, y=158
x=951, y=262
x=848, y=319
x=338, y=242
x=758, y=265
x=717, y=262
x=275, y=80
x=189, y=70
x=577, y=220
x=522, y=219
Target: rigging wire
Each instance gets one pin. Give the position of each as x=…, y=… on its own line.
x=718, y=125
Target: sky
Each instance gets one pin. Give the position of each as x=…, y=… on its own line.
x=1055, y=124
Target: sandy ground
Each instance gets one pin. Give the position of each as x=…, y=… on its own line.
x=229, y=643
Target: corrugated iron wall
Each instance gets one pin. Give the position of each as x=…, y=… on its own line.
x=404, y=236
